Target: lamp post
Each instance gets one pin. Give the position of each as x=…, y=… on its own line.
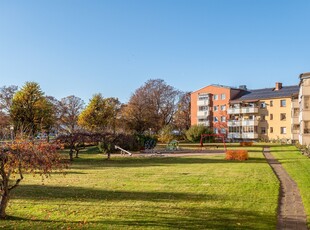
x=12, y=129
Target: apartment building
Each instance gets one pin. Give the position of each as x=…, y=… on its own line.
x=304, y=105
x=267, y=114
x=209, y=106
x=270, y=113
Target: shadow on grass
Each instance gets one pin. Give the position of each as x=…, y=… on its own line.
x=183, y=218
x=79, y=194
x=93, y=162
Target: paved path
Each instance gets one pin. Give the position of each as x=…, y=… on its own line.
x=291, y=212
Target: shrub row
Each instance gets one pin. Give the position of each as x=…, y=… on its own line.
x=239, y=155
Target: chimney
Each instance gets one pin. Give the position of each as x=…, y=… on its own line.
x=242, y=87
x=278, y=86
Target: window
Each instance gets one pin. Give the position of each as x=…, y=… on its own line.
x=248, y=129
x=223, y=130
x=263, y=105
x=263, y=130
x=223, y=119
x=215, y=119
x=296, y=112
x=203, y=108
x=271, y=116
x=223, y=96
x=223, y=107
x=307, y=102
x=282, y=116
x=203, y=97
x=271, y=129
x=271, y=103
x=215, y=97
x=262, y=117
x=283, y=130
x=216, y=108
x=306, y=126
x=283, y=103
x=215, y=130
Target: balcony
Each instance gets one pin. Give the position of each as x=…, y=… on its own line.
x=249, y=123
x=203, y=114
x=233, y=110
x=233, y=123
x=249, y=135
x=295, y=120
x=295, y=104
x=204, y=123
x=234, y=135
x=249, y=110
x=203, y=102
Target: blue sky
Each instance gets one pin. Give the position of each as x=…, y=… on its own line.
x=113, y=47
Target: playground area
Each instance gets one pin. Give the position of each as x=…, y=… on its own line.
x=209, y=144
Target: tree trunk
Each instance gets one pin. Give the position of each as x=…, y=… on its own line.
x=3, y=204
x=77, y=153
x=109, y=155
x=71, y=154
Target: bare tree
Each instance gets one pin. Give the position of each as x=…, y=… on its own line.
x=182, y=118
x=152, y=106
x=6, y=96
x=69, y=110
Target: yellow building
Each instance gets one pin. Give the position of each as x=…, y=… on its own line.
x=267, y=114
x=304, y=104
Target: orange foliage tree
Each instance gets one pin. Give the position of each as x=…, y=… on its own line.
x=24, y=156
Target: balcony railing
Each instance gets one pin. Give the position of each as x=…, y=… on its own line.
x=242, y=123
x=233, y=110
x=202, y=113
x=203, y=102
x=233, y=123
x=249, y=122
x=249, y=110
x=204, y=123
x=249, y=135
x=242, y=110
x=234, y=135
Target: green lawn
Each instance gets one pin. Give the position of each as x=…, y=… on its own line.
x=205, y=192
x=298, y=166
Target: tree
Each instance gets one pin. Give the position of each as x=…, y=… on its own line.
x=100, y=114
x=182, y=118
x=30, y=111
x=152, y=106
x=193, y=134
x=20, y=157
x=166, y=134
x=69, y=110
x=6, y=96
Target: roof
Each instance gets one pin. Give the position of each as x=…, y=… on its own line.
x=219, y=86
x=257, y=94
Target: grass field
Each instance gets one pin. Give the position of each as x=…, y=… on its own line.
x=298, y=166
x=204, y=192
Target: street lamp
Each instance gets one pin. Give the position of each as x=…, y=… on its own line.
x=12, y=129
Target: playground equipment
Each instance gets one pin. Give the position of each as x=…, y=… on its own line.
x=123, y=150
x=173, y=145
x=221, y=136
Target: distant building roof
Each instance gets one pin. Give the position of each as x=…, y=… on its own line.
x=258, y=94
x=223, y=86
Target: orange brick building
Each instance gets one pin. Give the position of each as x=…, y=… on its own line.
x=209, y=106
